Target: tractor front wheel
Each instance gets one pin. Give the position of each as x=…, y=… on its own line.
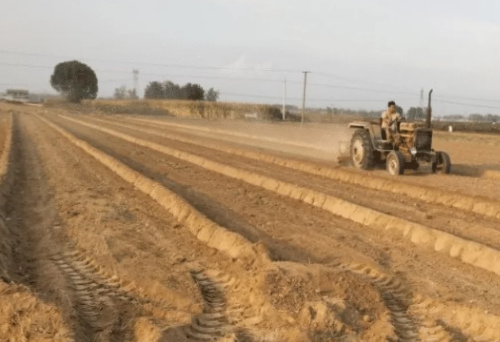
x=395, y=163
x=362, y=156
x=442, y=164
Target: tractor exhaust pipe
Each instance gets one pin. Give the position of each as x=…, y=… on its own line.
x=429, y=111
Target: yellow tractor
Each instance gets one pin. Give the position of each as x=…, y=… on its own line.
x=411, y=146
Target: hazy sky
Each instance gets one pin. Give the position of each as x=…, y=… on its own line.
x=391, y=49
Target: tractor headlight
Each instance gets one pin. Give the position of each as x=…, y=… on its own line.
x=413, y=151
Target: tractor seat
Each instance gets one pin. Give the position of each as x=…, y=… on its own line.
x=380, y=139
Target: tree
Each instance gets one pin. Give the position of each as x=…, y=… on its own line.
x=172, y=90
x=416, y=113
x=74, y=80
x=120, y=93
x=212, y=95
x=132, y=94
x=193, y=92
x=399, y=110
x=476, y=117
x=454, y=117
x=154, y=90
x=124, y=93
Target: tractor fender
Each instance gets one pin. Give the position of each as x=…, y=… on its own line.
x=364, y=125
x=359, y=124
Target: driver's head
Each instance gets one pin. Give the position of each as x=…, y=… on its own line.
x=392, y=107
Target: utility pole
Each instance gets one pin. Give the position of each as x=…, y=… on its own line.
x=136, y=82
x=421, y=97
x=304, y=94
x=284, y=100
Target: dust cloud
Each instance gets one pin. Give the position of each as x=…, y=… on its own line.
x=324, y=141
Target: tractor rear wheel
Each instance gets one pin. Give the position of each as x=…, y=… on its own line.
x=362, y=150
x=395, y=163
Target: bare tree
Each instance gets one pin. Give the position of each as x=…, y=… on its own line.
x=212, y=95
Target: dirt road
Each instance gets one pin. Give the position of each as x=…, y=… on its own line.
x=123, y=240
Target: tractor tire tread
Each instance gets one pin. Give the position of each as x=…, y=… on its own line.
x=369, y=158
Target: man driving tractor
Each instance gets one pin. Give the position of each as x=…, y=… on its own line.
x=400, y=145
x=390, y=118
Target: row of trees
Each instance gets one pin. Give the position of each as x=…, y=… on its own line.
x=173, y=91
x=123, y=92
x=419, y=113
x=365, y=113
x=77, y=81
x=416, y=113
x=473, y=117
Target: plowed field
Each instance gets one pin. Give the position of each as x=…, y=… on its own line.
x=118, y=228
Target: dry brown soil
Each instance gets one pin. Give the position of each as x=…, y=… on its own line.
x=102, y=261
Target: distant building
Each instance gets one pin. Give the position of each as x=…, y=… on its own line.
x=16, y=95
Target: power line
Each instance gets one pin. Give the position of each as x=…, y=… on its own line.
x=52, y=67
x=48, y=82
x=468, y=98
x=297, y=98
x=356, y=80
x=225, y=78
x=256, y=96
x=26, y=65
x=206, y=68
x=220, y=78
x=362, y=89
x=198, y=67
x=155, y=74
x=465, y=104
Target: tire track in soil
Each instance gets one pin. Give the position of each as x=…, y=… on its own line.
x=33, y=220
x=23, y=315
x=143, y=227
x=411, y=322
x=115, y=288
x=93, y=286
x=99, y=307
x=397, y=299
x=218, y=320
